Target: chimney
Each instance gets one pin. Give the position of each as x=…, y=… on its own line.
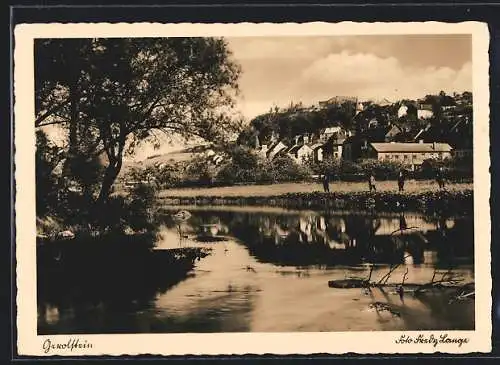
x=433, y=145
x=306, y=139
x=420, y=141
x=296, y=139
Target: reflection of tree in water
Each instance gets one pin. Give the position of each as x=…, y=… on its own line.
x=452, y=239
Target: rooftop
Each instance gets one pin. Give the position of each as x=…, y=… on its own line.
x=412, y=147
x=315, y=145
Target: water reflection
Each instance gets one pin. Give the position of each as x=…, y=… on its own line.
x=332, y=239
x=269, y=271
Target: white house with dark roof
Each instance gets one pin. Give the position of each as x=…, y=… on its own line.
x=424, y=111
x=411, y=154
x=300, y=153
x=318, y=152
x=402, y=111
x=327, y=133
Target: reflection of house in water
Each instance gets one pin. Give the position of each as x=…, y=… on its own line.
x=430, y=256
x=401, y=239
x=305, y=228
x=313, y=238
x=389, y=225
x=321, y=223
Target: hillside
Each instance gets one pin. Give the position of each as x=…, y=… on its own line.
x=358, y=116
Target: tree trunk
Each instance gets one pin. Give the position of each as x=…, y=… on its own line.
x=73, y=126
x=110, y=176
x=74, y=101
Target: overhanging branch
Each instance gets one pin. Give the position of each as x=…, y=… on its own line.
x=49, y=112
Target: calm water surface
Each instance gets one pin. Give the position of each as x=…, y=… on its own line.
x=269, y=270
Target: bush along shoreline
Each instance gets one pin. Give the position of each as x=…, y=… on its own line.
x=455, y=202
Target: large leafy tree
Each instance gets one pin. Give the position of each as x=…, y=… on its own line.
x=113, y=94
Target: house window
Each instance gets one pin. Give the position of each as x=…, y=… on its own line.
x=414, y=157
x=396, y=157
x=406, y=157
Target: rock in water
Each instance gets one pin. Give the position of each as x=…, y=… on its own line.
x=66, y=235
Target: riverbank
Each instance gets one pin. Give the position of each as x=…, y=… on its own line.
x=419, y=196
x=411, y=186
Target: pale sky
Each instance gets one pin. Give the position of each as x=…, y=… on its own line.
x=278, y=70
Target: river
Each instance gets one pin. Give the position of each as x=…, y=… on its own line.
x=268, y=271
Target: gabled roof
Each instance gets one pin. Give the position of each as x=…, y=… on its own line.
x=272, y=148
x=294, y=149
x=276, y=144
x=412, y=147
x=315, y=146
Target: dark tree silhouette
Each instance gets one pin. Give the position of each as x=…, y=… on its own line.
x=113, y=94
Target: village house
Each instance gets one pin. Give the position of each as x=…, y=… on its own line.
x=402, y=111
x=275, y=149
x=333, y=148
x=424, y=111
x=262, y=151
x=460, y=136
x=326, y=133
x=318, y=152
x=356, y=146
x=410, y=154
x=327, y=143
x=300, y=153
x=302, y=139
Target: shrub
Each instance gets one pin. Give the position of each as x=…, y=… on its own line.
x=382, y=170
x=328, y=166
x=281, y=169
x=453, y=168
x=285, y=169
x=350, y=168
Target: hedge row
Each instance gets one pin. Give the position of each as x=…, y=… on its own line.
x=456, y=202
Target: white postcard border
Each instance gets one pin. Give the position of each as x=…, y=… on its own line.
x=29, y=343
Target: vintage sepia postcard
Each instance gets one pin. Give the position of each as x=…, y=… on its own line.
x=220, y=189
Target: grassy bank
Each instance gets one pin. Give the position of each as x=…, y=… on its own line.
x=411, y=186
x=419, y=196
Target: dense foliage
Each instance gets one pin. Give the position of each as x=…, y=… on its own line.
x=112, y=94
x=109, y=95
x=246, y=167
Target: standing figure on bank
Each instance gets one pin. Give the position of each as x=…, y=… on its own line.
x=371, y=182
x=326, y=183
x=440, y=178
x=401, y=180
